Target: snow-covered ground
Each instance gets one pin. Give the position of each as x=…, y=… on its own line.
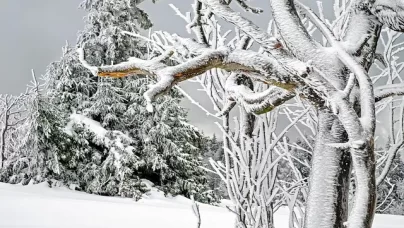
x=42, y=207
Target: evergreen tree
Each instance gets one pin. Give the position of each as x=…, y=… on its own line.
x=134, y=144
x=43, y=147
x=213, y=149
x=70, y=85
x=107, y=105
x=106, y=162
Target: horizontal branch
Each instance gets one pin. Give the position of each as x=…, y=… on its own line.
x=266, y=69
x=387, y=91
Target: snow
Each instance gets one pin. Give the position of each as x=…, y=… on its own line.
x=40, y=206
x=92, y=125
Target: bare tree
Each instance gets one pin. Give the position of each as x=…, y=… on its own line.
x=11, y=114
x=332, y=76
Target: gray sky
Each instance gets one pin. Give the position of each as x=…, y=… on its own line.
x=32, y=35
x=34, y=32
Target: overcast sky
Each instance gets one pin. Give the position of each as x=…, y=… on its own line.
x=33, y=33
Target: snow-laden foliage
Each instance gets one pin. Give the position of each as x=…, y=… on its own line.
x=163, y=145
x=70, y=86
x=105, y=162
x=213, y=149
x=42, y=148
x=96, y=135
x=388, y=69
x=165, y=141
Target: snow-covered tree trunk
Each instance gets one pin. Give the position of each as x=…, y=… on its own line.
x=329, y=177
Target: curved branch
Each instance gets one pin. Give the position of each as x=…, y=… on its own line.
x=390, y=13
x=256, y=102
x=291, y=29
x=362, y=31
x=253, y=102
x=367, y=102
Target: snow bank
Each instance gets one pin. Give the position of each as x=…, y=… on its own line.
x=40, y=206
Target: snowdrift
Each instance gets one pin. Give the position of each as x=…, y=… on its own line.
x=43, y=207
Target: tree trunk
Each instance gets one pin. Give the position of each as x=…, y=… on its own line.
x=3, y=140
x=365, y=197
x=327, y=204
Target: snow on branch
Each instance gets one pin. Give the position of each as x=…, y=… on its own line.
x=390, y=13
x=248, y=8
x=266, y=68
x=292, y=30
x=366, y=88
x=391, y=155
x=254, y=102
x=196, y=23
x=386, y=91
x=226, y=13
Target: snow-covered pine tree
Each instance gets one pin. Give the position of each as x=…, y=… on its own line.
x=69, y=85
x=169, y=145
x=43, y=147
x=171, y=159
x=212, y=148
x=131, y=146
x=107, y=105
x=103, y=36
x=105, y=162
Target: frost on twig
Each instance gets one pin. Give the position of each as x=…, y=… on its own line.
x=386, y=91
x=253, y=102
x=248, y=8
x=390, y=13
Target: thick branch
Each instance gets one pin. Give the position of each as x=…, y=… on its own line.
x=293, y=32
x=368, y=114
x=390, y=13
x=264, y=67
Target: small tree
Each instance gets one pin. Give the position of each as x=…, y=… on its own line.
x=11, y=114
x=42, y=144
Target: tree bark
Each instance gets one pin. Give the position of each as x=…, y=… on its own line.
x=327, y=204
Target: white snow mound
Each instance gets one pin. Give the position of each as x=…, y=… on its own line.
x=40, y=206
